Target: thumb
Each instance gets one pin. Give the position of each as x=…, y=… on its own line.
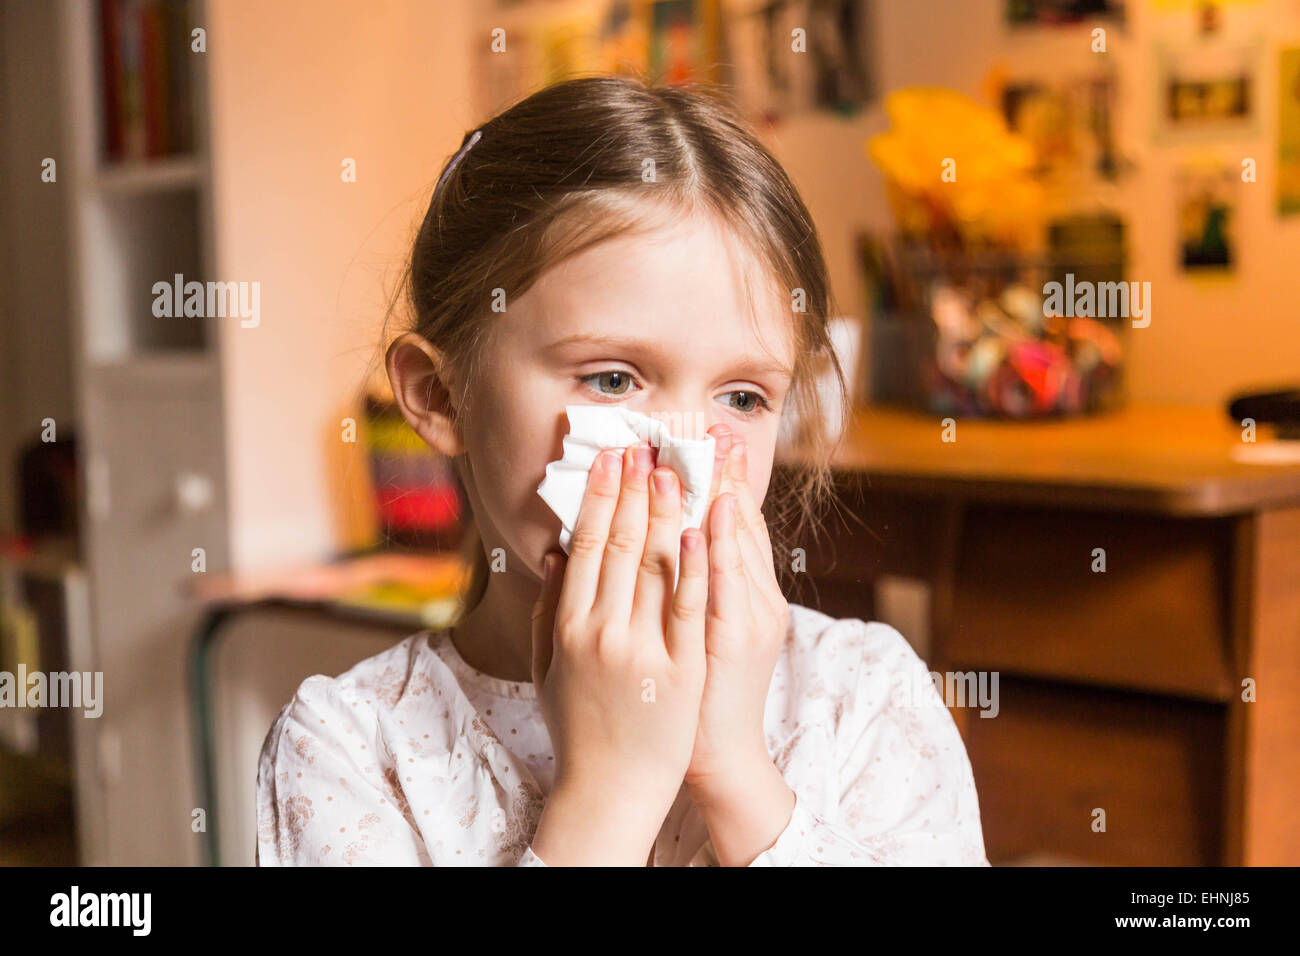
x=548, y=598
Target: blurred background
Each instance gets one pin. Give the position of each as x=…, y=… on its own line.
x=1062, y=235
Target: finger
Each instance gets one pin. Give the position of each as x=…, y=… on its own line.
x=685, y=631
x=755, y=543
x=728, y=586
x=750, y=515
x=625, y=544
x=654, y=584
x=587, y=544
x=722, y=438
x=548, y=599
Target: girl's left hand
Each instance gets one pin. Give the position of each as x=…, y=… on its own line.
x=745, y=628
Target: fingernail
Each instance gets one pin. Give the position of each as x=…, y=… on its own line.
x=642, y=460
x=609, y=462
x=663, y=480
x=738, y=450
x=690, y=539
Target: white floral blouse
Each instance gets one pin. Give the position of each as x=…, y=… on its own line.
x=412, y=757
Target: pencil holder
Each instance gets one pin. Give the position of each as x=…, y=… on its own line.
x=992, y=334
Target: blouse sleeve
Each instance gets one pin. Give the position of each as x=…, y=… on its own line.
x=324, y=796
x=905, y=791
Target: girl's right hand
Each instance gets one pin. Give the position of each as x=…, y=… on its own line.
x=618, y=663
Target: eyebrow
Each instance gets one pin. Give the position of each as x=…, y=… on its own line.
x=753, y=366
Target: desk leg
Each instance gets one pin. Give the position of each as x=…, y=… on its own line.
x=202, y=643
x=1262, y=826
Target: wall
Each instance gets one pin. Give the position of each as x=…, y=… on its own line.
x=296, y=87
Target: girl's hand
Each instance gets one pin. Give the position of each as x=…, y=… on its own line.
x=618, y=662
x=731, y=777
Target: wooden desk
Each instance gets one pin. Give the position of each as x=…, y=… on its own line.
x=1119, y=689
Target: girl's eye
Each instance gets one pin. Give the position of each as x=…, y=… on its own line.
x=613, y=382
x=750, y=403
x=616, y=382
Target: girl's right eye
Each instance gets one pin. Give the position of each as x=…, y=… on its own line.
x=612, y=382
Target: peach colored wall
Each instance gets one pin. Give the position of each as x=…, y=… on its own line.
x=297, y=86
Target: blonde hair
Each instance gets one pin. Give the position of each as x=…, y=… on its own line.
x=563, y=170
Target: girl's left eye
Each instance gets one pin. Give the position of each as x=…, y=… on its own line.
x=612, y=382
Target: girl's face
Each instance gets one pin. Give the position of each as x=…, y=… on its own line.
x=657, y=323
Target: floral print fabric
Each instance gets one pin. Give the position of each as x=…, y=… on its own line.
x=414, y=758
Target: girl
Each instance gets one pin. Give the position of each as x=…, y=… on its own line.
x=606, y=243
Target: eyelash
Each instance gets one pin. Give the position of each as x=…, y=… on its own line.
x=763, y=403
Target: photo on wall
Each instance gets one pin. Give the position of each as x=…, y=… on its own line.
x=1069, y=122
x=840, y=51
x=1207, y=90
x=833, y=71
x=1207, y=208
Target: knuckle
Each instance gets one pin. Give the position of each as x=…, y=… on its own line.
x=602, y=489
x=655, y=564
x=609, y=641
x=622, y=541
x=686, y=610
x=586, y=542
x=567, y=625
x=690, y=601
x=663, y=512
x=635, y=495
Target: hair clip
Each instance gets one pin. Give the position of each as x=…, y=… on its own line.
x=469, y=140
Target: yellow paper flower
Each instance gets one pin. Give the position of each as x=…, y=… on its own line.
x=946, y=157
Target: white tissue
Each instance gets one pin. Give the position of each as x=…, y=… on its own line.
x=592, y=429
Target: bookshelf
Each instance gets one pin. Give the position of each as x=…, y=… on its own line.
x=138, y=174
x=141, y=176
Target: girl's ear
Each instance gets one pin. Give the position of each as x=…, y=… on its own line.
x=420, y=387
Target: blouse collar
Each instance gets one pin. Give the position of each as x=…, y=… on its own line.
x=441, y=644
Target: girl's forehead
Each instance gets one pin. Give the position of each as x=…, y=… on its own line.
x=692, y=279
